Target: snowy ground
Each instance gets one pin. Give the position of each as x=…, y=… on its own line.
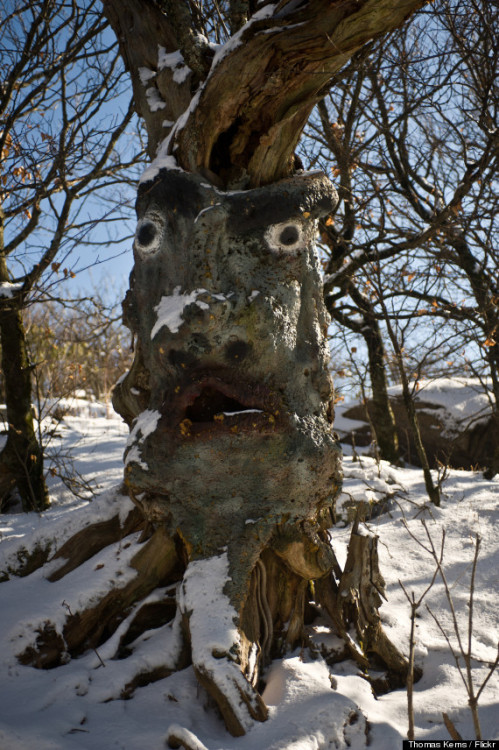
x=77, y=706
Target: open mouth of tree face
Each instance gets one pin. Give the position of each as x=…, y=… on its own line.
x=213, y=405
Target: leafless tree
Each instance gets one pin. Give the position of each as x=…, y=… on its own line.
x=224, y=217
x=64, y=124
x=411, y=131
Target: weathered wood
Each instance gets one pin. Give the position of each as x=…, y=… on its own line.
x=360, y=593
x=86, y=543
x=141, y=29
x=223, y=693
x=156, y=564
x=271, y=81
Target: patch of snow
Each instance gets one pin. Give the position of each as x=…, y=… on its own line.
x=167, y=161
x=242, y=411
x=169, y=59
x=121, y=379
x=75, y=407
x=344, y=424
x=202, y=591
x=214, y=636
x=465, y=400
x=146, y=74
x=146, y=423
x=143, y=426
x=8, y=288
x=175, y=62
x=188, y=738
x=154, y=100
x=171, y=307
x=236, y=40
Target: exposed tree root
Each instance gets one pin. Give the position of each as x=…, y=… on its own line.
x=92, y=539
x=273, y=619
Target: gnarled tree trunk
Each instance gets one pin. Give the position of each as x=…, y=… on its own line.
x=229, y=400
x=231, y=458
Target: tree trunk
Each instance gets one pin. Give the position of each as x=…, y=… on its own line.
x=244, y=122
x=379, y=411
x=21, y=461
x=381, y=415
x=230, y=406
x=231, y=457
x=432, y=490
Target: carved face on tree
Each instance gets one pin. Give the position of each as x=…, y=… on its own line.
x=230, y=390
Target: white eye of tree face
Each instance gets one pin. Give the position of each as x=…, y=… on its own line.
x=286, y=237
x=148, y=234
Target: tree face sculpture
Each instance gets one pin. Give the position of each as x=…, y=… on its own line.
x=231, y=456
x=233, y=432
x=231, y=400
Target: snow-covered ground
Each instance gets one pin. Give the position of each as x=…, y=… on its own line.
x=77, y=706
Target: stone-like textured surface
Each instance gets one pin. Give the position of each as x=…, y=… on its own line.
x=230, y=383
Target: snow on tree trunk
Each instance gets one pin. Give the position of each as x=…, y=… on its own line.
x=231, y=457
x=231, y=445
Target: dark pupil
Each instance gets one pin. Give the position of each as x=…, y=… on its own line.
x=288, y=236
x=146, y=233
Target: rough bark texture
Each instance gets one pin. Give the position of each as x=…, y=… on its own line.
x=21, y=460
x=231, y=457
x=278, y=74
x=230, y=406
x=235, y=420
x=231, y=445
x=275, y=71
